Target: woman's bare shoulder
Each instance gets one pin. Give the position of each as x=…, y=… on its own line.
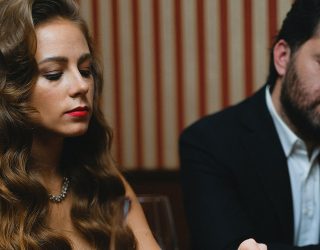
x=138, y=223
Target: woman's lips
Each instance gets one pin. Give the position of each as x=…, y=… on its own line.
x=78, y=112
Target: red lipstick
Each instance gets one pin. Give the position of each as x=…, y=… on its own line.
x=78, y=112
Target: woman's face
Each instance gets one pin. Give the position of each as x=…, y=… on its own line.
x=63, y=93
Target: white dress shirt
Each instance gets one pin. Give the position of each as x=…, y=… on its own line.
x=304, y=178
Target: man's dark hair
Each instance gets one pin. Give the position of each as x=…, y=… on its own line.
x=300, y=24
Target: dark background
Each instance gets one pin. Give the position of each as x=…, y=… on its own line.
x=166, y=183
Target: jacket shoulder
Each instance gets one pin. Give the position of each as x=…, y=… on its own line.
x=223, y=121
x=226, y=125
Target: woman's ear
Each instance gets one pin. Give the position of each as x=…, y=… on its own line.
x=281, y=56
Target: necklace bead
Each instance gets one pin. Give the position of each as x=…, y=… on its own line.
x=64, y=191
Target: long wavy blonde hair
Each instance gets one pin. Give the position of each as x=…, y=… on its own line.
x=98, y=192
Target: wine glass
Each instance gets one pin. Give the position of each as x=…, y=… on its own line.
x=158, y=212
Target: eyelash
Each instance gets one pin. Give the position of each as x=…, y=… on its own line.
x=52, y=76
x=87, y=73
x=56, y=76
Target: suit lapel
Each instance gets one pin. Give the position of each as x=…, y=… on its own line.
x=269, y=159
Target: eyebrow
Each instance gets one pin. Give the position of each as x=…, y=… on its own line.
x=62, y=59
x=84, y=58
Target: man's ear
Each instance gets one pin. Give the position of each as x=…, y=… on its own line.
x=281, y=56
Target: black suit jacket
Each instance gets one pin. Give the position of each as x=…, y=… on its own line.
x=235, y=179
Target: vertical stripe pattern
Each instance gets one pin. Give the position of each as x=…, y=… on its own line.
x=158, y=79
x=167, y=63
x=137, y=79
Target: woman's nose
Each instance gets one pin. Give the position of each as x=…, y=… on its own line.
x=78, y=85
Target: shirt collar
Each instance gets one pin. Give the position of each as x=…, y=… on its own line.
x=287, y=138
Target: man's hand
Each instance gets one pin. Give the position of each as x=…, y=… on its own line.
x=251, y=244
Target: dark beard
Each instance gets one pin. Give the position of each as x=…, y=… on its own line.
x=299, y=110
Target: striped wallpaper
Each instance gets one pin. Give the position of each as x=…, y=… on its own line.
x=169, y=62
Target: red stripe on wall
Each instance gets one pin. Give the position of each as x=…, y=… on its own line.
x=248, y=59
x=224, y=53
x=201, y=57
x=179, y=64
x=96, y=23
x=158, y=81
x=117, y=80
x=273, y=20
x=137, y=79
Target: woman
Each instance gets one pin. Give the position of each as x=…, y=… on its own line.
x=59, y=188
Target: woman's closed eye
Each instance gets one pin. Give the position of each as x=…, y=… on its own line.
x=86, y=73
x=53, y=76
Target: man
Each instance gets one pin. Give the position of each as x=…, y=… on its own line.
x=252, y=170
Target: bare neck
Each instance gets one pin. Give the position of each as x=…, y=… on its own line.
x=46, y=153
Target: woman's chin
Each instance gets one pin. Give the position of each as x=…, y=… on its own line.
x=76, y=132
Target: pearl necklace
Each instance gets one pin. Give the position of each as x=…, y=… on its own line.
x=64, y=191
